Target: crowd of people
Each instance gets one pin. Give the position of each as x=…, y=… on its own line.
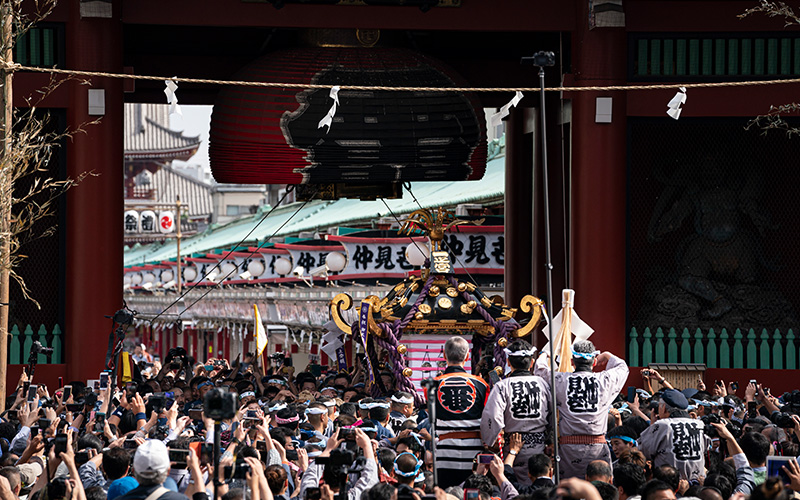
x=276, y=433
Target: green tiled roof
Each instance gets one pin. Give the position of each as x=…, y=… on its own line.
x=324, y=214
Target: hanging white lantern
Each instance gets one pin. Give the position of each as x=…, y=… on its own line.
x=189, y=274
x=149, y=277
x=255, y=268
x=283, y=266
x=166, y=222
x=167, y=275
x=212, y=276
x=335, y=261
x=227, y=270
x=416, y=253
x=147, y=221
x=131, y=221
x=136, y=279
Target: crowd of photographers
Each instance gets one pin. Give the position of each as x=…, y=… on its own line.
x=318, y=434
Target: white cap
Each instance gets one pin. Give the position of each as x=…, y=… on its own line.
x=151, y=458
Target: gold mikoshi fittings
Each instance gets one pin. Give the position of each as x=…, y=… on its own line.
x=433, y=291
x=472, y=304
x=402, y=349
x=462, y=287
x=465, y=309
x=424, y=309
x=499, y=370
x=502, y=342
x=419, y=315
x=445, y=303
x=407, y=372
x=451, y=292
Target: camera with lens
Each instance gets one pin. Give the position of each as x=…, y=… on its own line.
x=158, y=401
x=123, y=317
x=783, y=420
x=220, y=404
x=37, y=348
x=238, y=470
x=707, y=420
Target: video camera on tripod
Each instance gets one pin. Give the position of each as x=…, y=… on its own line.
x=33, y=358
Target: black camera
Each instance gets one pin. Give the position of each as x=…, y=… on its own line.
x=238, y=471
x=541, y=58
x=783, y=420
x=37, y=348
x=710, y=430
x=123, y=317
x=158, y=401
x=220, y=404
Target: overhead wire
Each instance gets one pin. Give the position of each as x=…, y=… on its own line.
x=233, y=249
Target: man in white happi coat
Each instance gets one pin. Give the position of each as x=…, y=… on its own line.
x=583, y=399
x=518, y=404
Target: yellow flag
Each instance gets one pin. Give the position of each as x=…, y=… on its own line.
x=260, y=333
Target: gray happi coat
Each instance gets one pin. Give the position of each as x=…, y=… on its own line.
x=583, y=400
x=518, y=404
x=679, y=442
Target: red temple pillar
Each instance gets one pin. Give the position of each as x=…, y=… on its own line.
x=95, y=207
x=518, y=214
x=598, y=180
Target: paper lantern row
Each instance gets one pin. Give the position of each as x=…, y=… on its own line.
x=147, y=221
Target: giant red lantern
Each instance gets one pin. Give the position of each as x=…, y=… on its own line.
x=264, y=135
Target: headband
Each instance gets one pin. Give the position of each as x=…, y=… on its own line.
x=368, y=429
x=405, y=400
x=204, y=383
x=276, y=381
x=369, y=406
x=316, y=411
x=247, y=394
x=417, y=437
x=522, y=353
x=278, y=407
x=407, y=474
x=420, y=478
x=329, y=404
x=585, y=355
x=329, y=388
x=289, y=420
x=626, y=439
x=314, y=454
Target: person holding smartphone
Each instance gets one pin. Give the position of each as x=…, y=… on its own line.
x=518, y=404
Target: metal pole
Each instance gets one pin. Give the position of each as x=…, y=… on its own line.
x=548, y=271
x=432, y=387
x=178, y=237
x=216, y=481
x=6, y=187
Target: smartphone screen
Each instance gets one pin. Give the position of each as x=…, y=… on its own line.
x=178, y=457
x=61, y=443
x=32, y=392
x=631, y=393
x=67, y=393
x=103, y=381
x=485, y=458
x=472, y=494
